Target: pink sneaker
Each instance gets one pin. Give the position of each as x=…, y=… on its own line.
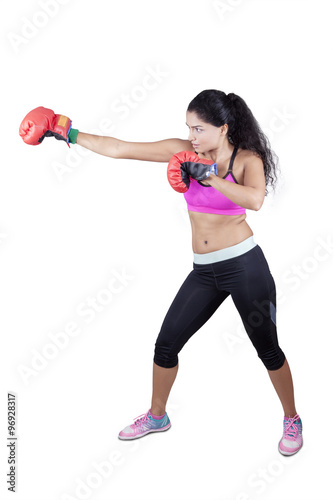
x=292, y=439
x=144, y=424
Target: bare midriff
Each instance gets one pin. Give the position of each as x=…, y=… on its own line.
x=211, y=232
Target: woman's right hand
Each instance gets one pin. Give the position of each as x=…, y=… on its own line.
x=43, y=122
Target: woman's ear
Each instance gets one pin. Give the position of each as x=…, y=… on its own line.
x=224, y=129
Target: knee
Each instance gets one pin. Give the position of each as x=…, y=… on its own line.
x=164, y=357
x=273, y=359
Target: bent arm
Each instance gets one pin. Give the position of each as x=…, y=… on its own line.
x=159, y=151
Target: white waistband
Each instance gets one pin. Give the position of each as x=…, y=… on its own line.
x=225, y=253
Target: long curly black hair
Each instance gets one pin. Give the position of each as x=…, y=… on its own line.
x=218, y=108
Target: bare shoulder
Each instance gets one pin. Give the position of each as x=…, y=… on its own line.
x=253, y=172
x=249, y=158
x=249, y=168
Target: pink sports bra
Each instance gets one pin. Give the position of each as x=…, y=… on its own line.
x=208, y=200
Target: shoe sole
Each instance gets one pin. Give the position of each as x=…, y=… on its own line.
x=145, y=433
x=288, y=453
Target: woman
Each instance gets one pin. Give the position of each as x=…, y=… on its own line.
x=227, y=261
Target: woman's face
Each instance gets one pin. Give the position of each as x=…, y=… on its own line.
x=203, y=136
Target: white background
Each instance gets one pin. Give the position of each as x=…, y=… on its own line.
x=63, y=236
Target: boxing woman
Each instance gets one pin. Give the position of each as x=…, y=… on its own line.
x=223, y=169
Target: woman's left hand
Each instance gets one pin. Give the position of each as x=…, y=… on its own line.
x=207, y=182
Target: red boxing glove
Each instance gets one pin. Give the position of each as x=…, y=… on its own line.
x=42, y=122
x=186, y=164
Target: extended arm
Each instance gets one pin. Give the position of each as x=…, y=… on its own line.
x=159, y=151
x=43, y=122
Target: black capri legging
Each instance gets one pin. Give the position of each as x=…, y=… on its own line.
x=247, y=278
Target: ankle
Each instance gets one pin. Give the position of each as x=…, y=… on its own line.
x=291, y=414
x=157, y=411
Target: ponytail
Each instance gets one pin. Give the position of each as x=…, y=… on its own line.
x=217, y=108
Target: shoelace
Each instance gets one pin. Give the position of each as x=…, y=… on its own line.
x=291, y=428
x=141, y=420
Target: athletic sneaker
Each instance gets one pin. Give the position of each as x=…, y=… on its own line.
x=292, y=439
x=145, y=423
